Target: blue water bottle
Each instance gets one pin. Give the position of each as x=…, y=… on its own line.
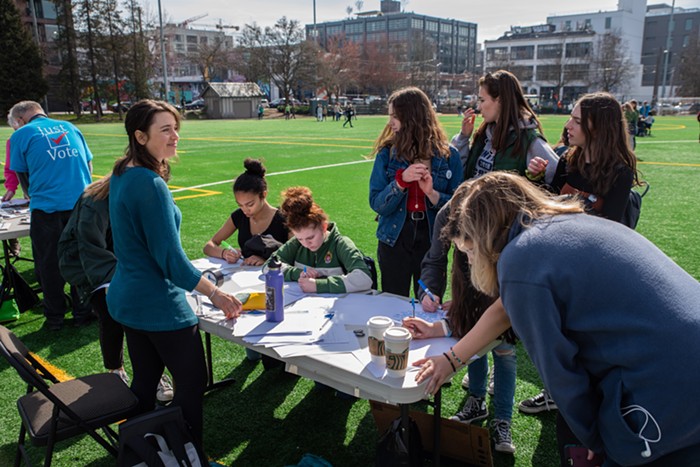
x=274, y=294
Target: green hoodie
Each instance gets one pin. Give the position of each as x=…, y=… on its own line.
x=338, y=260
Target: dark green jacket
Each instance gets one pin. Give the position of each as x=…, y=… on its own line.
x=85, y=251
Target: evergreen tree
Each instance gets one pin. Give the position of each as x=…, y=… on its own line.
x=21, y=70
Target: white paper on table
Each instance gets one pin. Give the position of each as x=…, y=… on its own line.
x=335, y=339
x=211, y=262
x=245, y=279
x=357, y=309
x=293, y=323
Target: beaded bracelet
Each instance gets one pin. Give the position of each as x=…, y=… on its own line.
x=454, y=355
x=450, y=360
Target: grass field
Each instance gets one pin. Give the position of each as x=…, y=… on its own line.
x=271, y=418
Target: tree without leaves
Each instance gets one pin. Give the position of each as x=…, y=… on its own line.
x=611, y=69
x=213, y=61
x=687, y=70
x=380, y=70
x=21, y=68
x=338, y=65
x=278, y=53
x=69, y=76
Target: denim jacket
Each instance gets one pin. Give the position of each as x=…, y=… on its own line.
x=389, y=201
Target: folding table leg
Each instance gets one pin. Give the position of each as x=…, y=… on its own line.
x=211, y=385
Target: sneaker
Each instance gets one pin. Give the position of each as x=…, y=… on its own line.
x=165, y=389
x=474, y=409
x=542, y=402
x=122, y=374
x=465, y=382
x=501, y=436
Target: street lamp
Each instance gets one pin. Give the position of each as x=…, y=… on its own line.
x=667, y=52
x=166, y=85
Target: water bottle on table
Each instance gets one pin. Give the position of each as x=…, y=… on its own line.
x=274, y=291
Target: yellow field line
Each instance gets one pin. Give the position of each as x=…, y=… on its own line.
x=672, y=164
x=54, y=370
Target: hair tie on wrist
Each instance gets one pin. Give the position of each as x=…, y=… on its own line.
x=211, y=296
x=450, y=360
x=454, y=355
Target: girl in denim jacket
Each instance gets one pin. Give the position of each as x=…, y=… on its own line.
x=415, y=173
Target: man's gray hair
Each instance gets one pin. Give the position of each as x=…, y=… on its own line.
x=21, y=109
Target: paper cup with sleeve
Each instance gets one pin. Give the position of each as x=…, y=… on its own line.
x=396, y=343
x=375, y=337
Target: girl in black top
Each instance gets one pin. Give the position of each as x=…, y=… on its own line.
x=254, y=218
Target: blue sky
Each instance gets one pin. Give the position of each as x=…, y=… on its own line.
x=493, y=17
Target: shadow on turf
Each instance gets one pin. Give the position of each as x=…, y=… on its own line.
x=245, y=423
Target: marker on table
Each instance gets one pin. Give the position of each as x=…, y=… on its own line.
x=226, y=245
x=429, y=293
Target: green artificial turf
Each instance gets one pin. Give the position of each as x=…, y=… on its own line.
x=269, y=418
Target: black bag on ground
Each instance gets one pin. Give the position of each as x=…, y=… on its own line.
x=391, y=450
x=158, y=438
x=25, y=296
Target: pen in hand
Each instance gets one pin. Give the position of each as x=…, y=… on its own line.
x=413, y=305
x=429, y=293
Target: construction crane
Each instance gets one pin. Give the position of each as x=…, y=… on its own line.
x=191, y=20
x=220, y=26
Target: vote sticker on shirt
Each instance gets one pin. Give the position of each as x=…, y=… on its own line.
x=328, y=258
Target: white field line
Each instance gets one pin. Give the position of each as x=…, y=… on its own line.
x=306, y=169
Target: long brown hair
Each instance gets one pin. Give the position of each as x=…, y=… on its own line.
x=485, y=213
x=300, y=210
x=139, y=118
x=607, y=145
x=421, y=134
x=503, y=85
x=99, y=189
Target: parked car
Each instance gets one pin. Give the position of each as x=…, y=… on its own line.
x=195, y=104
x=282, y=102
x=125, y=106
x=265, y=102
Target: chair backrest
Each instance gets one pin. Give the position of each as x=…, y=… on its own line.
x=369, y=261
x=19, y=357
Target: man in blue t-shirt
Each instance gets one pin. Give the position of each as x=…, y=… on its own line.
x=53, y=164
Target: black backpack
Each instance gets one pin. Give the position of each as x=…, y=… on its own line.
x=137, y=446
x=634, y=207
x=393, y=452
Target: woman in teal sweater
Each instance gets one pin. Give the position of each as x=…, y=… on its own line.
x=147, y=292
x=318, y=257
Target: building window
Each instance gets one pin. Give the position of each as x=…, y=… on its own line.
x=587, y=24
x=431, y=26
x=203, y=40
x=526, y=52
x=689, y=24
x=178, y=38
x=463, y=31
x=577, y=72
x=548, y=72
x=354, y=27
x=376, y=26
x=567, y=25
x=398, y=35
x=686, y=41
x=549, y=50
x=397, y=24
x=417, y=23
x=523, y=73
x=446, y=28
x=608, y=22
x=334, y=30
x=497, y=53
x=375, y=36
x=578, y=50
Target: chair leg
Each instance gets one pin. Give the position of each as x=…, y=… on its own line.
x=21, y=453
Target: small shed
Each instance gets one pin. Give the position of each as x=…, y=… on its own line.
x=232, y=100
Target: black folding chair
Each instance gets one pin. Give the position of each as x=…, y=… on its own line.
x=61, y=410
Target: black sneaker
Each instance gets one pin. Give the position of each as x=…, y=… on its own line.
x=542, y=402
x=474, y=409
x=502, y=438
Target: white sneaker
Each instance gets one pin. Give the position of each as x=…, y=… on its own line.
x=165, y=389
x=465, y=381
x=122, y=374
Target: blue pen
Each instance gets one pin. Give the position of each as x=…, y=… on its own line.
x=429, y=293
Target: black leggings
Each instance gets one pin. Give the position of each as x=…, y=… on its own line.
x=111, y=333
x=182, y=353
x=400, y=264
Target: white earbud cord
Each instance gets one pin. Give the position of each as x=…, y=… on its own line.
x=638, y=408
